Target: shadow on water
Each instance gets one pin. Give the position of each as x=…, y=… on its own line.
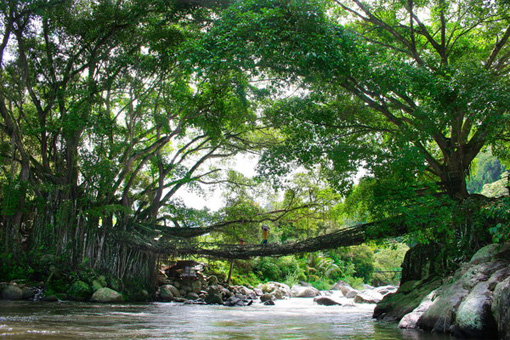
x=294, y=319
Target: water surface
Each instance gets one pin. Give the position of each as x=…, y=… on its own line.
x=288, y=319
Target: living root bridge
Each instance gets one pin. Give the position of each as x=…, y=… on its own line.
x=348, y=236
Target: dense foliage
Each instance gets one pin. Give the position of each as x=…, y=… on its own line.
x=108, y=110
x=408, y=90
x=103, y=122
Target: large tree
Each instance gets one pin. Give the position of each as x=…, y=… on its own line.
x=411, y=90
x=103, y=120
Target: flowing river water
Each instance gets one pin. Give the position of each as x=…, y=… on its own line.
x=296, y=318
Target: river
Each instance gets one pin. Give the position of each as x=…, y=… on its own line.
x=297, y=318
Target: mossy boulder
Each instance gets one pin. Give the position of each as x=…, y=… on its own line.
x=79, y=291
x=473, y=303
x=500, y=310
x=12, y=292
x=28, y=293
x=409, y=296
x=214, y=299
x=106, y=295
x=168, y=293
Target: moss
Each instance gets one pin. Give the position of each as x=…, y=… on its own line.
x=79, y=291
x=394, y=306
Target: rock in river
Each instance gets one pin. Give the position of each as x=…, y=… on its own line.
x=106, y=295
x=326, y=301
x=12, y=292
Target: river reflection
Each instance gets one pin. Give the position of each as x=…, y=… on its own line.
x=289, y=319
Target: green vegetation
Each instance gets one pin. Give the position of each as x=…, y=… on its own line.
x=376, y=264
x=487, y=169
x=109, y=110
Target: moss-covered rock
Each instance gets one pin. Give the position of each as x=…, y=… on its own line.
x=28, y=293
x=12, y=292
x=473, y=303
x=106, y=295
x=79, y=291
x=168, y=293
x=395, y=305
x=474, y=318
x=500, y=310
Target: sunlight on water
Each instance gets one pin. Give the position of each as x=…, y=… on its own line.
x=296, y=319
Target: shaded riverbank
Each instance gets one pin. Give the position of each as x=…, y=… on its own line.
x=296, y=318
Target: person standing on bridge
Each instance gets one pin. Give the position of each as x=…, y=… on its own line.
x=265, y=234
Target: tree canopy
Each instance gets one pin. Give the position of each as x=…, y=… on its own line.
x=406, y=89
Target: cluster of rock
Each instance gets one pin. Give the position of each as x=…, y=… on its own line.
x=200, y=289
x=204, y=290
x=474, y=302
x=97, y=291
x=368, y=295
x=18, y=290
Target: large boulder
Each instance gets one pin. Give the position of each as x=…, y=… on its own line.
x=410, y=320
x=28, y=293
x=385, y=290
x=346, y=289
x=351, y=294
x=463, y=306
x=474, y=318
x=168, y=293
x=214, y=299
x=500, y=310
x=245, y=291
x=79, y=291
x=277, y=289
x=196, y=286
x=473, y=303
x=368, y=296
x=106, y=295
x=326, y=301
x=192, y=296
x=304, y=292
x=12, y=292
x=408, y=297
x=441, y=313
